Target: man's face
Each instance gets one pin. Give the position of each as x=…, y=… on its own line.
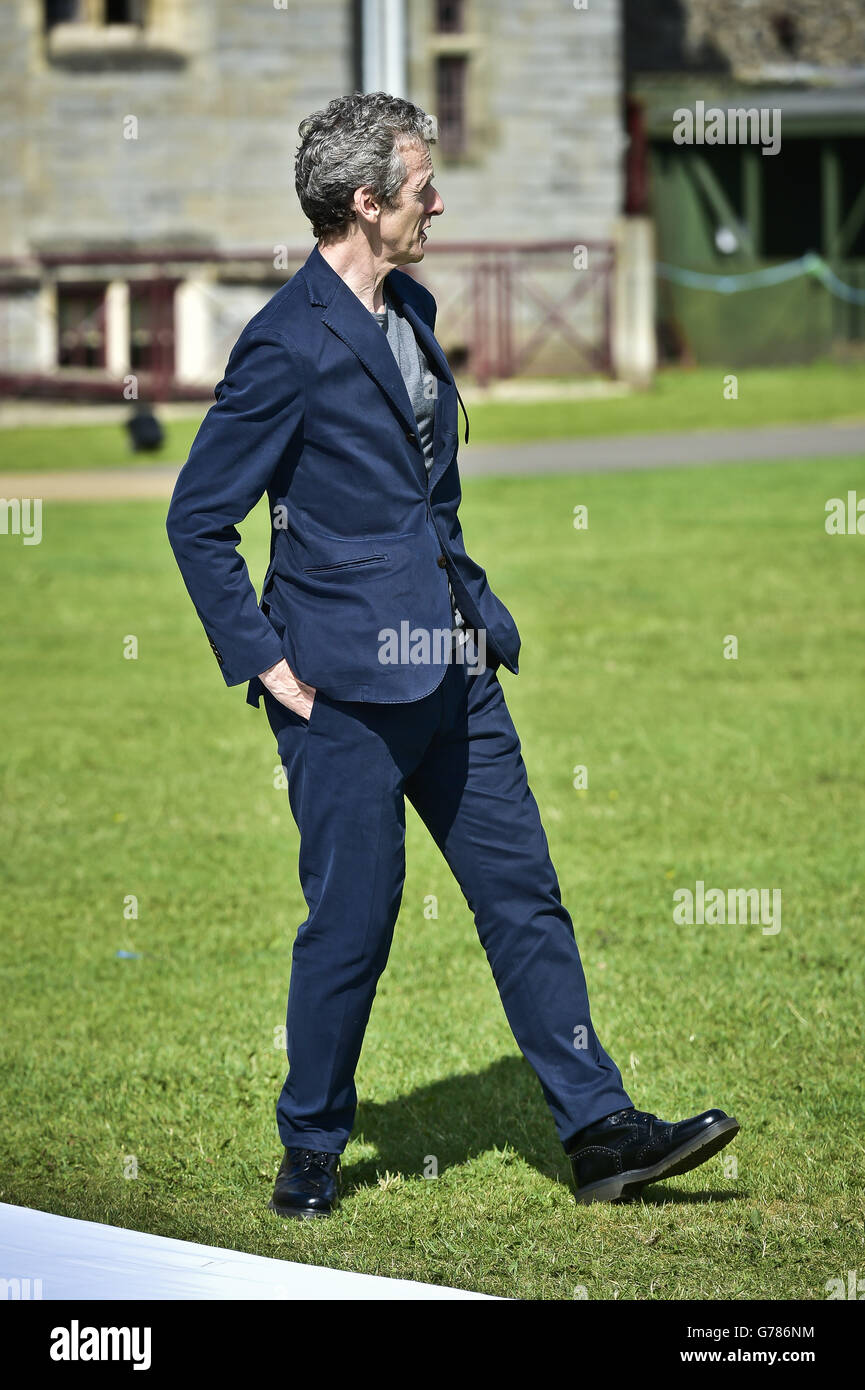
x=403, y=228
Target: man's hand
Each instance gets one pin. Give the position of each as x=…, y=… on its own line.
x=287, y=689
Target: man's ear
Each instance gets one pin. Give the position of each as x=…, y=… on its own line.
x=366, y=205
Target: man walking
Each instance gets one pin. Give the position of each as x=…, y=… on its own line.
x=375, y=648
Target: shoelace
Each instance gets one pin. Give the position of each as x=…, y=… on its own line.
x=311, y=1156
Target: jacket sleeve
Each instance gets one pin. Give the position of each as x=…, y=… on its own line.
x=241, y=441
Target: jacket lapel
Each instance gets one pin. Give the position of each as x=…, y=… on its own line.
x=344, y=315
x=446, y=395
x=355, y=325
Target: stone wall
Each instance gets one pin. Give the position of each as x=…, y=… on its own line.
x=217, y=97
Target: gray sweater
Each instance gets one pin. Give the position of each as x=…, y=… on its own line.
x=420, y=382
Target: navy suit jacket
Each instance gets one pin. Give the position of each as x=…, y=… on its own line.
x=313, y=410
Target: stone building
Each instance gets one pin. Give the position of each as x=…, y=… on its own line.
x=148, y=150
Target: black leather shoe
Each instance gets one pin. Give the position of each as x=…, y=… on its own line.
x=307, y=1184
x=613, y=1159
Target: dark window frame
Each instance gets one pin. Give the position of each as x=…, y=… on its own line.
x=153, y=339
x=132, y=12
x=450, y=16
x=60, y=12
x=79, y=353
x=113, y=12
x=451, y=88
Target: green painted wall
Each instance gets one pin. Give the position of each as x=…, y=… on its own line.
x=792, y=322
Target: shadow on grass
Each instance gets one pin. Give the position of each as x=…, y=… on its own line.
x=457, y=1120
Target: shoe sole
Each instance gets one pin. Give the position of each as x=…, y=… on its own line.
x=298, y=1213
x=627, y=1186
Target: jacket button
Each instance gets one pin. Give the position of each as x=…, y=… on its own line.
x=442, y=562
x=410, y=437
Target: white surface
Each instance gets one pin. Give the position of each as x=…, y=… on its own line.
x=86, y=1260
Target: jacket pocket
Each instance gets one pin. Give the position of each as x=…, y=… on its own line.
x=343, y=564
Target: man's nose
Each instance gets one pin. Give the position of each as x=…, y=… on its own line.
x=438, y=206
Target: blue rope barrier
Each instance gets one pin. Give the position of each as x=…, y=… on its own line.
x=810, y=264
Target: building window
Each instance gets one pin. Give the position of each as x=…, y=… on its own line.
x=124, y=12
x=451, y=70
x=151, y=327
x=60, y=12
x=81, y=325
x=450, y=18
x=93, y=12
x=100, y=35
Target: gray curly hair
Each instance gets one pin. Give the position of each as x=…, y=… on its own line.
x=356, y=140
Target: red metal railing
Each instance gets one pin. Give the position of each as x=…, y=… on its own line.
x=505, y=309
x=508, y=313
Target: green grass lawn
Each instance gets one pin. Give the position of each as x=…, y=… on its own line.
x=678, y=400
x=148, y=777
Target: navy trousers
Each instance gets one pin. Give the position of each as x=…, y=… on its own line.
x=455, y=754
